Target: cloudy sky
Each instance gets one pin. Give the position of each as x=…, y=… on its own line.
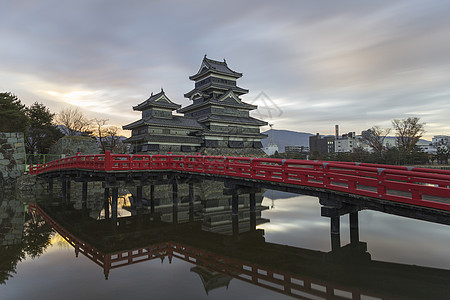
x=308, y=64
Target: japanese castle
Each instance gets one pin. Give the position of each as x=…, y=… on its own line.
x=216, y=123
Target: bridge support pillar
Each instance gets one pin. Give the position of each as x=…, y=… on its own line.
x=354, y=229
x=334, y=208
x=139, y=196
x=252, y=202
x=175, y=200
x=175, y=214
x=335, y=232
x=235, y=213
x=84, y=195
x=152, y=198
x=50, y=187
x=68, y=186
x=114, y=198
x=64, y=187
x=191, y=201
x=174, y=192
x=235, y=204
x=106, y=202
x=252, y=212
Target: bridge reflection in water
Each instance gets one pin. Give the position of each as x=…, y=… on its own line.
x=218, y=234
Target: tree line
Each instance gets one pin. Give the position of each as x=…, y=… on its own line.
x=42, y=128
x=405, y=151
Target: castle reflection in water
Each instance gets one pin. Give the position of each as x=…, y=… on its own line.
x=212, y=227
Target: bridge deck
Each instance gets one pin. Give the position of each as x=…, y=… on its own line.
x=415, y=186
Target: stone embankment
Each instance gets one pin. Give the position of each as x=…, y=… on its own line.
x=12, y=156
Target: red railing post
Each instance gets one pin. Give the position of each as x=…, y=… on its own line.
x=381, y=188
x=284, y=174
x=77, y=160
x=325, y=178
x=108, y=162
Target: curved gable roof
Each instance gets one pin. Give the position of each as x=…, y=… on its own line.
x=158, y=100
x=214, y=66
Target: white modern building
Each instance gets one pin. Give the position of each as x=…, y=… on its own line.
x=441, y=140
x=347, y=142
x=427, y=147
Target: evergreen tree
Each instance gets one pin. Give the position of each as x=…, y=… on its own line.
x=12, y=114
x=41, y=133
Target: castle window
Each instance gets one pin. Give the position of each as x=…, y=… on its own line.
x=211, y=144
x=236, y=144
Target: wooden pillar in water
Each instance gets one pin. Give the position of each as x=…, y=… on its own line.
x=64, y=187
x=139, y=196
x=191, y=201
x=335, y=232
x=114, y=198
x=354, y=228
x=106, y=203
x=175, y=200
x=68, y=189
x=152, y=198
x=84, y=195
x=252, y=212
x=174, y=192
x=252, y=202
x=50, y=187
x=235, y=213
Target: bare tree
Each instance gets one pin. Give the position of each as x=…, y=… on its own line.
x=108, y=137
x=374, y=138
x=114, y=139
x=100, y=132
x=408, y=132
x=74, y=121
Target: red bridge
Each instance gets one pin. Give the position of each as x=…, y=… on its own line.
x=417, y=186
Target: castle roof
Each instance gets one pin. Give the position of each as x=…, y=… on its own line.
x=176, y=121
x=229, y=99
x=164, y=139
x=234, y=134
x=159, y=100
x=232, y=120
x=216, y=86
x=214, y=66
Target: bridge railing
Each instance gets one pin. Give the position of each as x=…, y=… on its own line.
x=417, y=186
x=402, y=168
x=193, y=163
x=238, y=166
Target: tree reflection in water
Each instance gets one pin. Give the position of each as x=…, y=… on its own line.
x=34, y=240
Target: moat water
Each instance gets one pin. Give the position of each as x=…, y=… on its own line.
x=288, y=253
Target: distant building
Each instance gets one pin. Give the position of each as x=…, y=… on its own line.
x=347, y=142
x=441, y=140
x=388, y=141
x=427, y=147
x=216, y=123
x=321, y=144
x=296, y=149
